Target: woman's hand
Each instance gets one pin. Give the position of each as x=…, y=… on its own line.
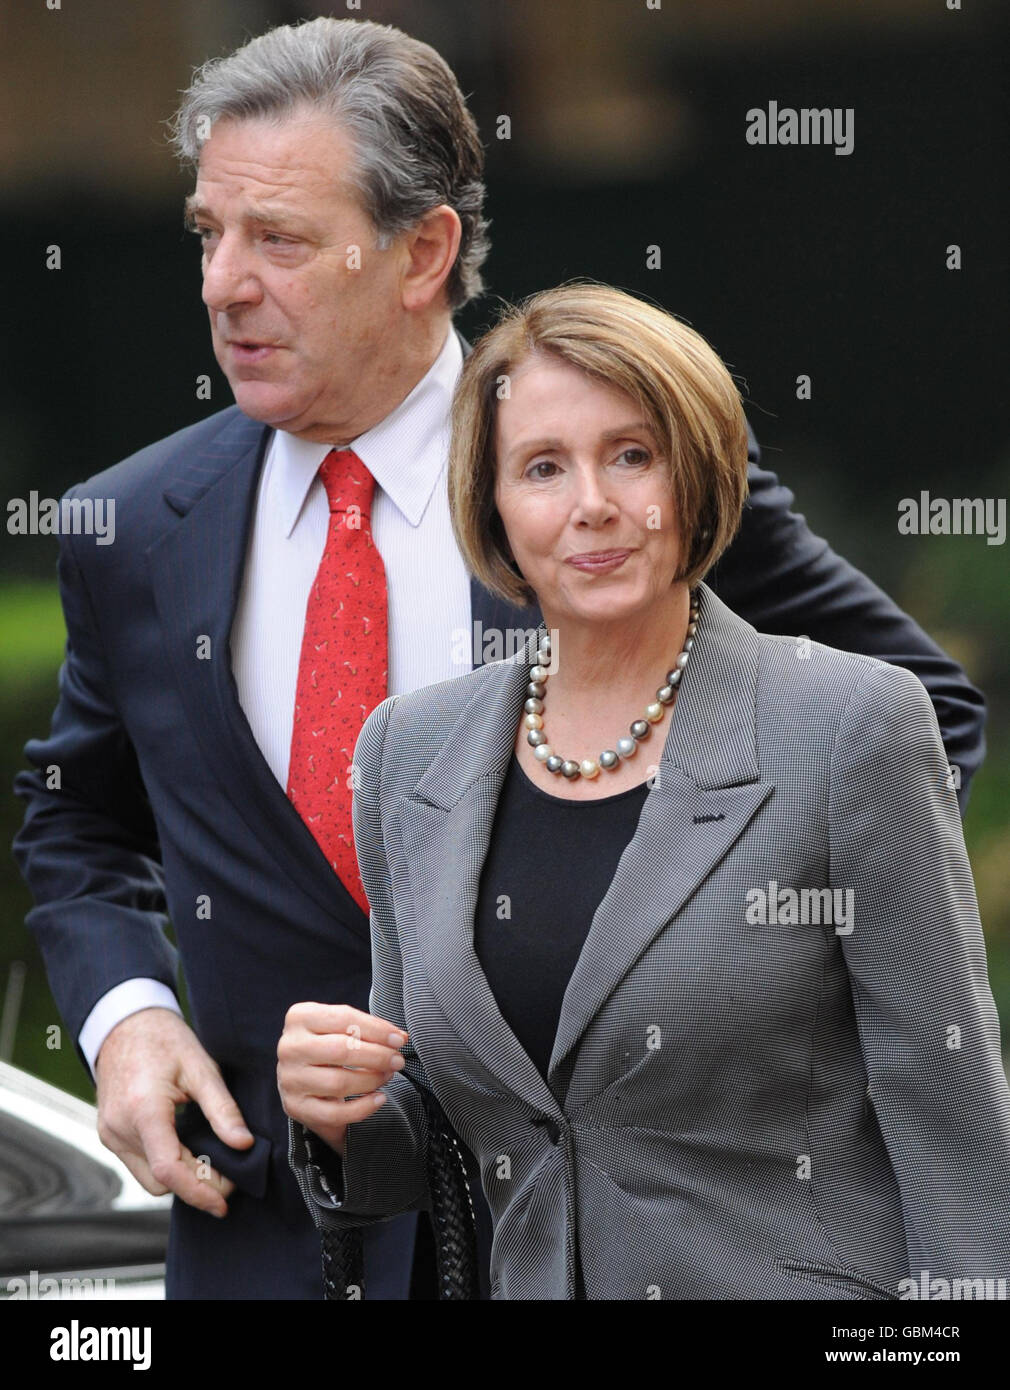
x=328, y=1052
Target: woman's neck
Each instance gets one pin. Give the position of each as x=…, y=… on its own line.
x=606, y=671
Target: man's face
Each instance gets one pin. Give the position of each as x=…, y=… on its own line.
x=304, y=336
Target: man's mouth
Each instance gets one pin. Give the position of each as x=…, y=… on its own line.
x=250, y=349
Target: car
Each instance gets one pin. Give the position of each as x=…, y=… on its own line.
x=74, y=1223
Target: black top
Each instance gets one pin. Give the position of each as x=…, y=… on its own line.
x=549, y=863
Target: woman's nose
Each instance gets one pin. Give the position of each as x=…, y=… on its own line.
x=591, y=499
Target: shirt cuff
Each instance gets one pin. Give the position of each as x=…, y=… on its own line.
x=118, y=1003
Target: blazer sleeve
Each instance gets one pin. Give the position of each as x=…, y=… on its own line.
x=916, y=958
x=784, y=579
x=88, y=848
x=384, y=1171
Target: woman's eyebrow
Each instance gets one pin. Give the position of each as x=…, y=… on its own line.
x=526, y=446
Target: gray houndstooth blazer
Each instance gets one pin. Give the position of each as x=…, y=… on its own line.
x=753, y=1106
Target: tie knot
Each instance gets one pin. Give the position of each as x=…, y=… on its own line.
x=347, y=481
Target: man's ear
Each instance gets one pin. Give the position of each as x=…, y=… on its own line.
x=431, y=250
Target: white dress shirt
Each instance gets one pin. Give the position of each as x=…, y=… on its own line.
x=427, y=588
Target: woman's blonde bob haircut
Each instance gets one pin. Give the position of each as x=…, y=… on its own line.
x=687, y=396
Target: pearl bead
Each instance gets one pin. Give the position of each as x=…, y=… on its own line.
x=536, y=690
x=639, y=729
x=654, y=713
x=626, y=747
x=692, y=628
x=665, y=694
x=538, y=674
x=554, y=763
x=545, y=642
x=673, y=678
x=544, y=657
x=608, y=758
x=536, y=737
x=534, y=706
x=533, y=721
x=542, y=752
x=588, y=768
x=681, y=661
x=569, y=769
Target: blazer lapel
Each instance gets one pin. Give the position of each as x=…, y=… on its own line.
x=706, y=792
x=445, y=827
x=196, y=570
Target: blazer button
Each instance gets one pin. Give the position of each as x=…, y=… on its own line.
x=551, y=1126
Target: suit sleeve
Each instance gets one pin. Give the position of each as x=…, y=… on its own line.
x=88, y=847
x=916, y=959
x=384, y=1171
x=783, y=579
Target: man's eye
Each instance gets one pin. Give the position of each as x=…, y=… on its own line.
x=275, y=239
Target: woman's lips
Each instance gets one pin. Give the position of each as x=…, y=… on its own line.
x=598, y=562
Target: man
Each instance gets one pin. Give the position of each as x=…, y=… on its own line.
x=279, y=568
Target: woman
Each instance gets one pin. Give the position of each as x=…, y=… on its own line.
x=680, y=922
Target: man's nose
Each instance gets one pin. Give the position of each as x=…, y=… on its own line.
x=228, y=277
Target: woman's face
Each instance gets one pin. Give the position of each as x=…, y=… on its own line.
x=579, y=472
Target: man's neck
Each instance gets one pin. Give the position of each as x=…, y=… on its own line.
x=389, y=389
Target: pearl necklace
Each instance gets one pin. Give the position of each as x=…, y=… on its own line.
x=533, y=717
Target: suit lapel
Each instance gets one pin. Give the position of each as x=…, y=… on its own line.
x=196, y=571
x=706, y=792
x=492, y=619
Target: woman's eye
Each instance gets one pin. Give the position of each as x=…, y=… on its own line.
x=637, y=456
x=543, y=463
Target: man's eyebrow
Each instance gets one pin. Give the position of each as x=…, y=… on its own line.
x=194, y=207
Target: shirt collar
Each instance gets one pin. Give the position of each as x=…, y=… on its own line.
x=405, y=453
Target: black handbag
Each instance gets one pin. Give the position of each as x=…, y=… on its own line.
x=452, y=1218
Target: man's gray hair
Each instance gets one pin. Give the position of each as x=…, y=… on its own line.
x=416, y=145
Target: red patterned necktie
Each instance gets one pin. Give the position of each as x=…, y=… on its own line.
x=343, y=666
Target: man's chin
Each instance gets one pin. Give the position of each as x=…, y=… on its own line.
x=266, y=403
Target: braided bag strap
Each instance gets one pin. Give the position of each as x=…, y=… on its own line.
x=343, y=1263
x=452, y=1220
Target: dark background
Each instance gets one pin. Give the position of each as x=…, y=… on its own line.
x=627, y=131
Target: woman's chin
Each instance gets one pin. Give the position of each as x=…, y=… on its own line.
x=604, y=610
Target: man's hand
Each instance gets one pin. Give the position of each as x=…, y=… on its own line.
x=329, y=1052
x=151, y=1062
